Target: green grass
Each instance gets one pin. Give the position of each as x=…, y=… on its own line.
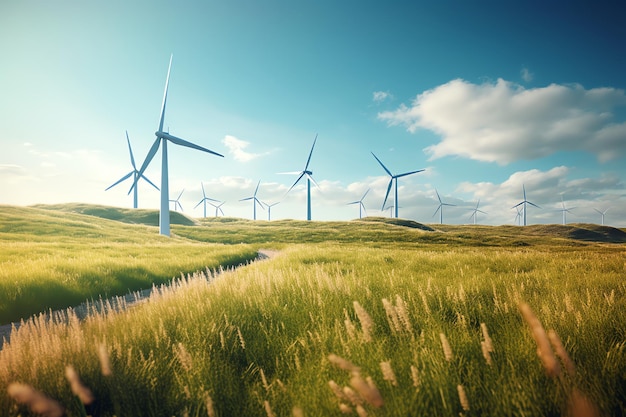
x=256, y=341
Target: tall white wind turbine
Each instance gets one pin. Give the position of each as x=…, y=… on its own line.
x=602, y=213
x=518, y=216
x=269, y=210
x=134, y=173
x=177, y=201
x=440, y=207
x=394, y=178
x=360, y=203
x=523, y=203
x=161, y=139
x=254, y=199
x=309, y=179
x=204, y=199
x=218, y=208
x=476, y=210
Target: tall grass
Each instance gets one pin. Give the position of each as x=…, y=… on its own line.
x=330, y=328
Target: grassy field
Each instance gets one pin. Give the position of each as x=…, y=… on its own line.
x=374, y=317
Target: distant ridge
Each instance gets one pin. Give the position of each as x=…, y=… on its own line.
x=398, y=222
x=580, y=231
x=124, y=215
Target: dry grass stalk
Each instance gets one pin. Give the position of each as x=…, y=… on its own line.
x=486, y=337
x=388, y=374
x=367, y=391
x=103, y=356
x=415, y=376
x=560, y=351
x=297, y=412
x=403, y=313
x=268, y=409
x=336, y=389
x=78, y=388
x=352, y=396
x=425, y=302
x=345, y=408
x=183, y=357
x=242, y=342
x=35, y=400
x=342, y=363
x=392, y=316
x=208, y=402
x=350, y=328
x=463, y=397
x=486, y=353
x=367, y=324
x=361, y=411
x=447, y=350
x=544, y=350
x=580, y=406
x=264, y=380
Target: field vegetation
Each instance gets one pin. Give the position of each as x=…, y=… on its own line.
x=374, y=317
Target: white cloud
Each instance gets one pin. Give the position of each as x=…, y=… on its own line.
x=526, y=75
x=236, y=147
x=380, y=96
x=503, y=122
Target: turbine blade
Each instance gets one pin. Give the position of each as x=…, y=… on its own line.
x=120, y=180
x=198, y=203
x=533, y=204
x=257, y=188
x=294, y=184
x=290, y=173
x=311, y=178
x=182, y=142
x=256, y=200
x=167, y=82
x=203, y=193
x=383, y=165
x=130, y=150
x=246, y=199
x=388, y=190
x=150, y=182
x=153, y=150
x=409, y=173
x=363, y=198
x=180, y=195
x=518, y=204
x=436, y=211
x=310, y=153
x=438, y=197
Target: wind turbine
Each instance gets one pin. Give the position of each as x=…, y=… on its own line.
x=360, y=203
x=564, y=210
x=204, y=199
x=391, y=181
x=602, y=213
x=476, y=210
x=218, y=208
x=309, y=180
x=269, y=210
x=440, y=208
x=523, y=203
x=177, y=201
x=254, y=200
x=132, y=173
x=161, y=139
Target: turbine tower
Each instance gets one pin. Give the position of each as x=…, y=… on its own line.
x=394, y=178
x=161, y=139
x=440, y=208
x=309, y=180
x=564, y=210
x=204, y=199
x=523, y=203
x=476, y=210
x=360, y=203
x=134, y=173
x=177, y=201
x=602, y=213
x=254, y=200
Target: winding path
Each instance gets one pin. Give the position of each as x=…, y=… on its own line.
x=117, y=303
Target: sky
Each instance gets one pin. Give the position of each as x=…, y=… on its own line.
x=487, y=97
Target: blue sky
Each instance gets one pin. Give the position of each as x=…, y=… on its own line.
x=485, y=96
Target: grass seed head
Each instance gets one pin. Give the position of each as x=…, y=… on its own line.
x=367, y=324
x=367, y=390
x=103, y=356
x=388, y=374
x=447, y=350
x=560, y=351
x=463, y=398
x=78, y=388
x=544, y=350
x=342, y=363
x=35, y=400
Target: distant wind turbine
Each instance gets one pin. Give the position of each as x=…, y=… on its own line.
x=134, y=173
x=565, y=210
x=602, y=213
x=518, y=216
x=161, y=139
x=390, y=208
x=394, y=178
x=440, y=208
x=360, y=203
x=476, y=210
x=523, y=203
x=309, y=179
x=204, y=199
x=269, y=210
x=218, y=208
x=177, y=201
x=254, y=200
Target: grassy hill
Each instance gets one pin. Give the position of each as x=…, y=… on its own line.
x=376, y=316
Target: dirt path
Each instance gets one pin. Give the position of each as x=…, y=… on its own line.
x=117, y=303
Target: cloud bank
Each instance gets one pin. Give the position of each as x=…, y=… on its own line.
x=504, y=122
x=236, y=147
